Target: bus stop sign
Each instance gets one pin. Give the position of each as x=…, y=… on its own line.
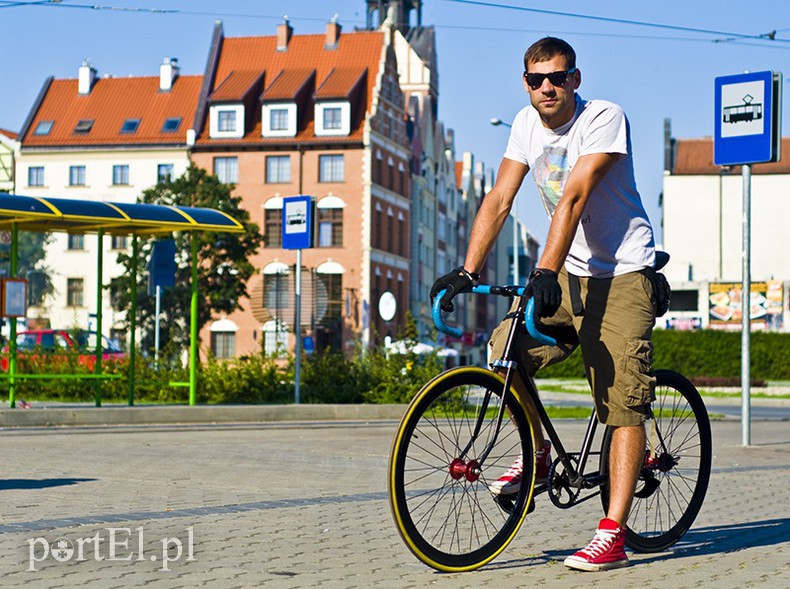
x=748, y=118
x=297, y=222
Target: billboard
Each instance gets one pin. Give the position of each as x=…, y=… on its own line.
x=725, y=305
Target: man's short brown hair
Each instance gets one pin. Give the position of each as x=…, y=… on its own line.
x=548, y=48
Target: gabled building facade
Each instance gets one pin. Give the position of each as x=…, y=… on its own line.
x=101, y=139
x=319, y=115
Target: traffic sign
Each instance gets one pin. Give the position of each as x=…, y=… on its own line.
x=747, y=118
x=297, y=222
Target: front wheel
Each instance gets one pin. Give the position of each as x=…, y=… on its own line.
x=676, y=469
x=439, y=473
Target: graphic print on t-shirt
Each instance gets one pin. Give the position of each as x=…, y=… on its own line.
x=550, y=173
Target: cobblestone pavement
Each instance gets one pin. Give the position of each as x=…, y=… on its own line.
x=304, y=505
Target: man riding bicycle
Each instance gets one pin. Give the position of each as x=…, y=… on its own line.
x=591, y=285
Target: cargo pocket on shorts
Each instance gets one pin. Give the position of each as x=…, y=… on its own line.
x=638, y=373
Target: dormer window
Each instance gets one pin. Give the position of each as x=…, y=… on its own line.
x=84, y=126
x=43, y=128
x=130, y=126
x=332, y=118
x=278, y=120
x=226, y=121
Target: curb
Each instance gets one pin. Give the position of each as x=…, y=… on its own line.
x=54, y=417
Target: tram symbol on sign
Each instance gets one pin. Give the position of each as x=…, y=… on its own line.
x=748, y=111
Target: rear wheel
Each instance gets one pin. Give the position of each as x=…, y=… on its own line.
x=676, y=470
x=439, y=478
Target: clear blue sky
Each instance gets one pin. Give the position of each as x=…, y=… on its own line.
x=653, y=72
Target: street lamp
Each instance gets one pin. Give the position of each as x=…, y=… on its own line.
x=496, y=122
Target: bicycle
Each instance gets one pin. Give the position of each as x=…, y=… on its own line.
x=465, y=428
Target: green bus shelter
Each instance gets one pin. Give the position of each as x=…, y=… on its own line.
x=67, y=215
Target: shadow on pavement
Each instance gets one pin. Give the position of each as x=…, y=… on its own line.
x=9, y=484
x=722, y=539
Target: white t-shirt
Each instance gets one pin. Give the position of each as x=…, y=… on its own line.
x=614, y=235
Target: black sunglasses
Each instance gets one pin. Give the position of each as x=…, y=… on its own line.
x=557, y=78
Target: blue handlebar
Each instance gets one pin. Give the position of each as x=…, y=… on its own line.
x=529, y=318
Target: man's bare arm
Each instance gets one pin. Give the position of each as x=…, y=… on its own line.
x=493, y=213
x=585, y=176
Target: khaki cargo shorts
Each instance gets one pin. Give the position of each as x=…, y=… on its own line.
x=614, y=335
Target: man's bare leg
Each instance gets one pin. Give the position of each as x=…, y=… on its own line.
x=627, y=454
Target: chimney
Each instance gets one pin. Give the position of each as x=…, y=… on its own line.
x=87, y=76
x=332, y=34
x=168, y=72
x=284, y=32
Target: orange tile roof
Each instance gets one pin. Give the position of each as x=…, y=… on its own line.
x=340, y=83
x=358, y=50
x=459, y=172
x=287, y=84
x=236, y=85
x=7, y=133
x=694, y=157
x=110, y=102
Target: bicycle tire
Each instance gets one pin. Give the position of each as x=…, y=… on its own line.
x=672, y=484
x=455, y=524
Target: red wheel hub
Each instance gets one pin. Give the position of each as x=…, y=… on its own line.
x=470, y=470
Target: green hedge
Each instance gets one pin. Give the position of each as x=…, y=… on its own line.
x=705, y=353
x=328, y=377
x=373, y=377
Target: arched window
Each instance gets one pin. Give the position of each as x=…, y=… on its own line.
x=330, y=221
x=223, y=338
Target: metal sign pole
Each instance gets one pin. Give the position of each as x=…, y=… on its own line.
x=156, y=329
x=298, y=325
x=746, y=306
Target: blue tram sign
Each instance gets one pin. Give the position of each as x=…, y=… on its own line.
x=297, y=222
x=748, y=118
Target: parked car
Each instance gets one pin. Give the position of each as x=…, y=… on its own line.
x=60, y=342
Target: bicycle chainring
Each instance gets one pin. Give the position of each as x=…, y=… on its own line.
x=561, y=492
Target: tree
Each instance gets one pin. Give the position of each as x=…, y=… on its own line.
x=223, y=261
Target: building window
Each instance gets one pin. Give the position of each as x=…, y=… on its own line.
x=164, y=172
x=227, y=169
x=223, y=344
x=84, y=126
x=76, y=175
x=278, y=119
x=35, y=176
x=275, y=338
x=119, y=242
x=75, y=288
x=75, y=242
x=331, y=168
x=171, y=124
x=332, y=118
x=226, y=121
x=334, y=296
x=273, y=228
x=130, y=126
x=278, y=169
x=43, y=128
x=330, y=227
x=120, y=175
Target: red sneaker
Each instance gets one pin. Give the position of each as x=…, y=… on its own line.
x=606, y=551
x=508, y=483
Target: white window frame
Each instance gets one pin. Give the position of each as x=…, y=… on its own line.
x=266, y=120
x=222, y=174
x=214, y=131
x=345, y=118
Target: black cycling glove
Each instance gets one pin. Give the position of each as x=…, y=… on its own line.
x=457, y=281
x=544, y=288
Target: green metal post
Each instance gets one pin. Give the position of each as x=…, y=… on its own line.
x=193, y=325
x=133, y=317
x=99, y=348
x=12, y=344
